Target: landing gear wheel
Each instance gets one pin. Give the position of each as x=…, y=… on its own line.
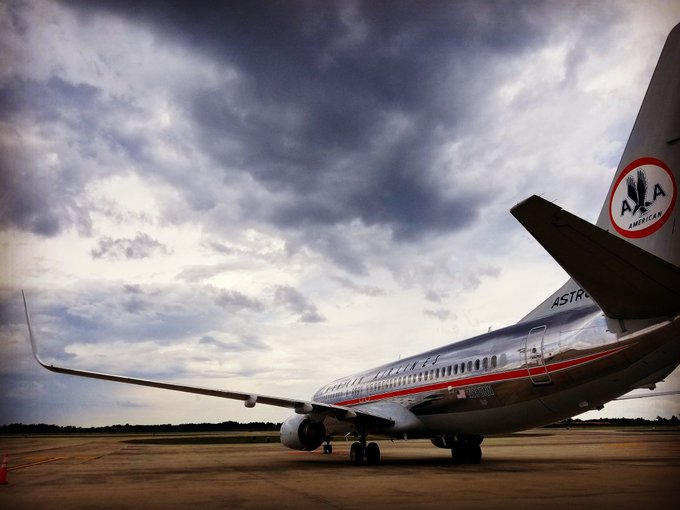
x=372, y=454
x=467, y=450
x=356, y=454
x=458, y=454
x=474, y=454
x=328, y=447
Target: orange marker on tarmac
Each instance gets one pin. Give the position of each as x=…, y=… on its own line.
x=3, y=471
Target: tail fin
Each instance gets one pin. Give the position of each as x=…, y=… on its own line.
x=640, y=208
x=641, y=203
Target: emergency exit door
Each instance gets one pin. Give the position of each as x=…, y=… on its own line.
x=533, y=356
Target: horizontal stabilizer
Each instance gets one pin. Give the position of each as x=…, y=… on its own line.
x=624, y=280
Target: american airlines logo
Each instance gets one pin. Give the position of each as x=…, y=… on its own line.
x=643, y=198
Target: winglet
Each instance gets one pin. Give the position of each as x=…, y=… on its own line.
x=30, y=332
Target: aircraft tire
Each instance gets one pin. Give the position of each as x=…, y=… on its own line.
x=372, y=454
x=458, y=454
x=356, y=454
x=473, y=454
x=466, y=453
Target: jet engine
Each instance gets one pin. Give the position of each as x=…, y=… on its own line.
x=300, y=433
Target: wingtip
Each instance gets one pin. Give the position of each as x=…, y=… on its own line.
x=30, y=331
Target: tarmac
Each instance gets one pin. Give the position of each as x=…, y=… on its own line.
x=543, y=468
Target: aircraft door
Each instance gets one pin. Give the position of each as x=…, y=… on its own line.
x=533, y=356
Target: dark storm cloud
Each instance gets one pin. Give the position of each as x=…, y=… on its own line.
x=341, y=108
x=41, y=196
x=140, y=247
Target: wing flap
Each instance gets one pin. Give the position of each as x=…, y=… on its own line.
x=624, y=280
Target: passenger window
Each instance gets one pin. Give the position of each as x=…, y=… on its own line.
x=420, y=376
x=476, y=364
x=462, y=368
x=493, y=361
x=455, y=369
x=469, y=366
x=436, y=374
x=485, y=363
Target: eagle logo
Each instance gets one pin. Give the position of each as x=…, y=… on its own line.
x=643, y=198
x=637, y=192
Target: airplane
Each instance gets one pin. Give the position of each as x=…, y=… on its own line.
x=613, y=327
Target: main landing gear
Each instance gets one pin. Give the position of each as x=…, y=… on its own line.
x=467, y=450
x=360, y=452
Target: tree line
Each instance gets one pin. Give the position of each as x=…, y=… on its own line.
x=226, y=426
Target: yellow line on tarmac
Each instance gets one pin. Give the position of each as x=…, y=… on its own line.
x=21, y=466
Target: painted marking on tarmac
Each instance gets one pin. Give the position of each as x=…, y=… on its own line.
x=44, y=461
x=87, y=458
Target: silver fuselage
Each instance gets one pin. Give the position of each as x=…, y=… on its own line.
x=526, y=375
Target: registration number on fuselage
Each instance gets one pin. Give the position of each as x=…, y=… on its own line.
x=483, y=391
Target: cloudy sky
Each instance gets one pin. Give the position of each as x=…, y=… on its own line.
x=265, y=196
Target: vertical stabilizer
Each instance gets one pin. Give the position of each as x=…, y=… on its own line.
x=641, y=205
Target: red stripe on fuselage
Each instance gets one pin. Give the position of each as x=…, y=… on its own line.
x=519, y=373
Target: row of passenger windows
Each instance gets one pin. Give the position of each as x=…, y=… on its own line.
x=485, y=363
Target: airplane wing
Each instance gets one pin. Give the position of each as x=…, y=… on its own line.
x=624, y=280
x=317, y=410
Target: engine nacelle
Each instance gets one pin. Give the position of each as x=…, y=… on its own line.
x=300, y=433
